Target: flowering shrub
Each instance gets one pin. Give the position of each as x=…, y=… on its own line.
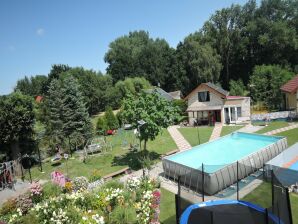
x=137, y=202
x=36, y=192
x=80, y=184
x=133, y=183
x=24, y=203
x=68, y=187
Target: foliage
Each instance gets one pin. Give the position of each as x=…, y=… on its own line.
x=16, y=122
x=181, y=104
x=24, y=203
x=51, y=190
x=80, y=183
x=96, y=175
x=132, y=86
x=8, y=207
x=36, y=192
x=265, y=83
x=237, y=88
x=156, y=112
x=33, y=86
x=200, y=63
x=101, y=125
x=110, y=119
x=68, y=117
x=103, y=205
x=136, y=54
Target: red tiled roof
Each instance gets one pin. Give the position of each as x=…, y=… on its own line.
x=291, y=86
x=38, y=99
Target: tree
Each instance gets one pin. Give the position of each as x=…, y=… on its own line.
x=265, y=83
x=110, y=119
x=132, y=86
x=155, y=113
x=200, y=62
x=54, y=108
x=68, y=116
x=101, y=125
x=16, y=122
x=32, y=86
x=136, y=54
x=237, y=88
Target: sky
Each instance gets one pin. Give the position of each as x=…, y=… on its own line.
x=35, y=34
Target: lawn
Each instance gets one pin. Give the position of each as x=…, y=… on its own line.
x=271, y=126
x=262, y=196
x=229, y=129
x=192, y=134
x=167, y=207
x=292, y=136
x=119, y=157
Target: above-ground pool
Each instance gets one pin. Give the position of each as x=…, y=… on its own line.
x=219, y=159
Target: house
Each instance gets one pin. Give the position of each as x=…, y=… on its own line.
x=290, y=93
x=163, y=94
x=209, y=103
x=177, y=95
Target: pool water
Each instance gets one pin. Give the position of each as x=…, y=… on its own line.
x=223, y=151
x=294, y=166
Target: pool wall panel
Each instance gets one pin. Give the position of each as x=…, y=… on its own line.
x=225, y=176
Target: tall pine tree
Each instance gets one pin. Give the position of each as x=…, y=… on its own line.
x=69, y=122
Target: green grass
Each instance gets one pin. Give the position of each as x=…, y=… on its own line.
x=191, y=134
x=292, y=136
x=229, y=129
x=262, y=196
x=271, y=126
x=167, y=207
x=119, y=157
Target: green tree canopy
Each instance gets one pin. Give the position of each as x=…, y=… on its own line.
x=237, y=88
x=156, y=112
x=16, y=122
x=265, y=83
x=136, y=54
x=33, y=86
x=68, y=116
x=110, y=119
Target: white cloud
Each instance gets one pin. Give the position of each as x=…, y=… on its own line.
x=40, y=32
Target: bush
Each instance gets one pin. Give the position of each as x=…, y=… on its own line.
x=51, y=190
x=182, y=105
x=8, y=207
x=24, y=203
x=125, y=215
x=111, y=120
x=80, y=184
x=101, y=125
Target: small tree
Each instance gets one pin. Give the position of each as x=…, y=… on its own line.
x=101, y=125
x=237, y=88
x=110, y=118
x=156, y=112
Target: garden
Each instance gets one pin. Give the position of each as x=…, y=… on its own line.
x=78, y=201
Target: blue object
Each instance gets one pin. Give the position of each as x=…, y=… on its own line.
x=187, y=212
x=223, y=151
x=294, y=166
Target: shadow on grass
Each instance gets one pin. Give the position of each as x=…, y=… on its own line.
x=134, y=158
x=169, y=220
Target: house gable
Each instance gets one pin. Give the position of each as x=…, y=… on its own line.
x=216, y=99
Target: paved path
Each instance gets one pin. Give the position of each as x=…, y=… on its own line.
x=276, y=131
x=250, y=128
x=216, y=131
x=178, y=138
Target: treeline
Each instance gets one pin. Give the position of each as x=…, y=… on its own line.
x=228, y=50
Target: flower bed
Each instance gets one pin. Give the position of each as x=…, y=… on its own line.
x=135, y=202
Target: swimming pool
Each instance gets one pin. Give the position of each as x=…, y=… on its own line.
x=219, y=159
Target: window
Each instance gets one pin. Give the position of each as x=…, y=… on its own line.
x=239, y=112
x=204, y=96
